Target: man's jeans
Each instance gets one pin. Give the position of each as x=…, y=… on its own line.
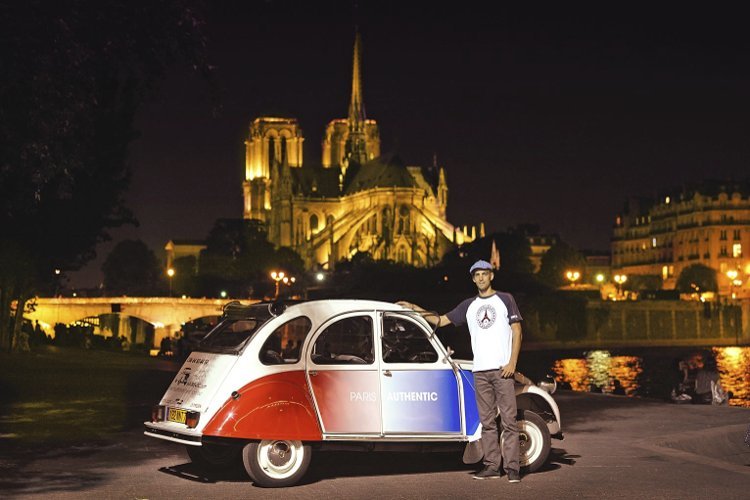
x=497, y=393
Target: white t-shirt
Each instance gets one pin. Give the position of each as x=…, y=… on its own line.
x=489, y=320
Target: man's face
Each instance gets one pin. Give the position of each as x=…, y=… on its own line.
x=482, y=278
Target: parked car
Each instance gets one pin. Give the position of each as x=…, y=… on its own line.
x=274, y=383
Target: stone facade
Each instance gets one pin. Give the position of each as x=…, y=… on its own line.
x=707, y=224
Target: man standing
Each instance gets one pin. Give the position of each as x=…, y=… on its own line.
x=493, y=320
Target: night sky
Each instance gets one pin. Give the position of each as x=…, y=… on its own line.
x=541, y=114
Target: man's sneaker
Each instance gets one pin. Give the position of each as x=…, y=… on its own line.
x=514, y=476
x=487, y=473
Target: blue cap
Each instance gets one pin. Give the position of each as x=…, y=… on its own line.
x=480, y=264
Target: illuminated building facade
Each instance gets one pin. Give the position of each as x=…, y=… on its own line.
x=707, y=224
x=355, y=200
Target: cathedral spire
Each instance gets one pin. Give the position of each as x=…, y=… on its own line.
x=356, y=146
x=356, y=105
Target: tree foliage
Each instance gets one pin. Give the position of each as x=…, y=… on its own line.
x=697, y=278
x=238, y=259
x=131, y=268
x=560, y=258
x=74, y=74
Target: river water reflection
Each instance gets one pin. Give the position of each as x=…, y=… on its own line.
x=640, y=372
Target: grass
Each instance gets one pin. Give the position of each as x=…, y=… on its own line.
x=61, y=396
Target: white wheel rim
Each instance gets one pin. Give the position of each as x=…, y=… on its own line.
x=531, y=442
x=280, y=459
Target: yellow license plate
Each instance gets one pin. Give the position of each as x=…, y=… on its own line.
x=176, y=415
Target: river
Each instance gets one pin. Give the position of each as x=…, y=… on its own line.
x=640, y=372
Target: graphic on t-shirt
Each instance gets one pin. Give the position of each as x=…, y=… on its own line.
x=486, y=316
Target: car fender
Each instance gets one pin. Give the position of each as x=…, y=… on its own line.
x=531, y=397
x=277, y=406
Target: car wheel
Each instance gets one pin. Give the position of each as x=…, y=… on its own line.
x=213, y=457
x=535, y=441
x=276, y=463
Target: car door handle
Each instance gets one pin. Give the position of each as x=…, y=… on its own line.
x=387, y=373
x=313, y=373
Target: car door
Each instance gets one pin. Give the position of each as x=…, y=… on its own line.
x=419, y=388
x=343, y=376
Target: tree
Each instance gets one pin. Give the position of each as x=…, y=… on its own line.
x=131, y=268
x=643, y=282
x=697, y=278
x=238, y=259
x=560, y=258
x=74, y=74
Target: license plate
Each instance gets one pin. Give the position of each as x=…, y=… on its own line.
x=176, y=415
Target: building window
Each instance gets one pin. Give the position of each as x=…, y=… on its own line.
x=314, y=223
x=723, y=234
x=404, y=220
x=723, y=251
x=736, y=234
x=737, y=250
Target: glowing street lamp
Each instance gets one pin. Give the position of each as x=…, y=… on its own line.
x=277, y=277
x=734, y=281
x=170, y=274
x=573, y=276
x=620, y=279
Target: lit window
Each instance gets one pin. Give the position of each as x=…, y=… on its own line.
x=737, y=250
x=653, y=242
x=667, y=200
x=665, y=270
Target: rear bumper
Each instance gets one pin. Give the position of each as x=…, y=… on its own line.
x=169, y=432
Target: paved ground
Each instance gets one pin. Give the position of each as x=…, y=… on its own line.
x=615, y=447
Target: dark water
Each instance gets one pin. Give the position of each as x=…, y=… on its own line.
x=641, y=372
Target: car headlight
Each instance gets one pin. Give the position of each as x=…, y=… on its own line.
x=549, y=384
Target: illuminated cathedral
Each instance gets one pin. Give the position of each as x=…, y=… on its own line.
x=356, y=200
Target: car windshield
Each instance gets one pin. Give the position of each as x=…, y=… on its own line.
x=231, y=335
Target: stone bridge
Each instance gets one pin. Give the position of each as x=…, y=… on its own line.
x=166, y=314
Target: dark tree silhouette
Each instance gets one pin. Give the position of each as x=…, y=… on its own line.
x=558, y=259
x=697, y=278
x=131, y=268
x=74, y=74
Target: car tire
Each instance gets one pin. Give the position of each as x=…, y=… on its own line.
x=276, y=463
x=535, y=441
x=214, y=457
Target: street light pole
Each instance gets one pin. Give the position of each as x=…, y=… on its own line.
x=620, y=279
x=277, y=277
x=170, y=274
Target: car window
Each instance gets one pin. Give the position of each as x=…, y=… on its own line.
x=348, y=341
x=406, y=342
x=285, y=343
x=230, y=336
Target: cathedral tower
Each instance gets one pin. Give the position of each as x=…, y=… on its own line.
x=354, y=138
x=271, y=141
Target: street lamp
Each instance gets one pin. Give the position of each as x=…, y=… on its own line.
x=733, y=281
x=170, y=274
x=620, y=279
x=277, y=277
x=573, y=276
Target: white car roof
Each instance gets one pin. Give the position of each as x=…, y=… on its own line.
x=329, y=307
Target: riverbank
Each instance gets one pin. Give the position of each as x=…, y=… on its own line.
x=55, y=396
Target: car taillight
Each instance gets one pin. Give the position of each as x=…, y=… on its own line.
x=157, y=413
x=192, y=418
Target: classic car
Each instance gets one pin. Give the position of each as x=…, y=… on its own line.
x=273, y=383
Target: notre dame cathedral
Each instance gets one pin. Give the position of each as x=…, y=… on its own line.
x=354, y=201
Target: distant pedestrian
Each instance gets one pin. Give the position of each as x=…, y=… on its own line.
x=708, y=389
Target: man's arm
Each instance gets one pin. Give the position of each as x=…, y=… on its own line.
x=509, y=369
x=430, y=317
